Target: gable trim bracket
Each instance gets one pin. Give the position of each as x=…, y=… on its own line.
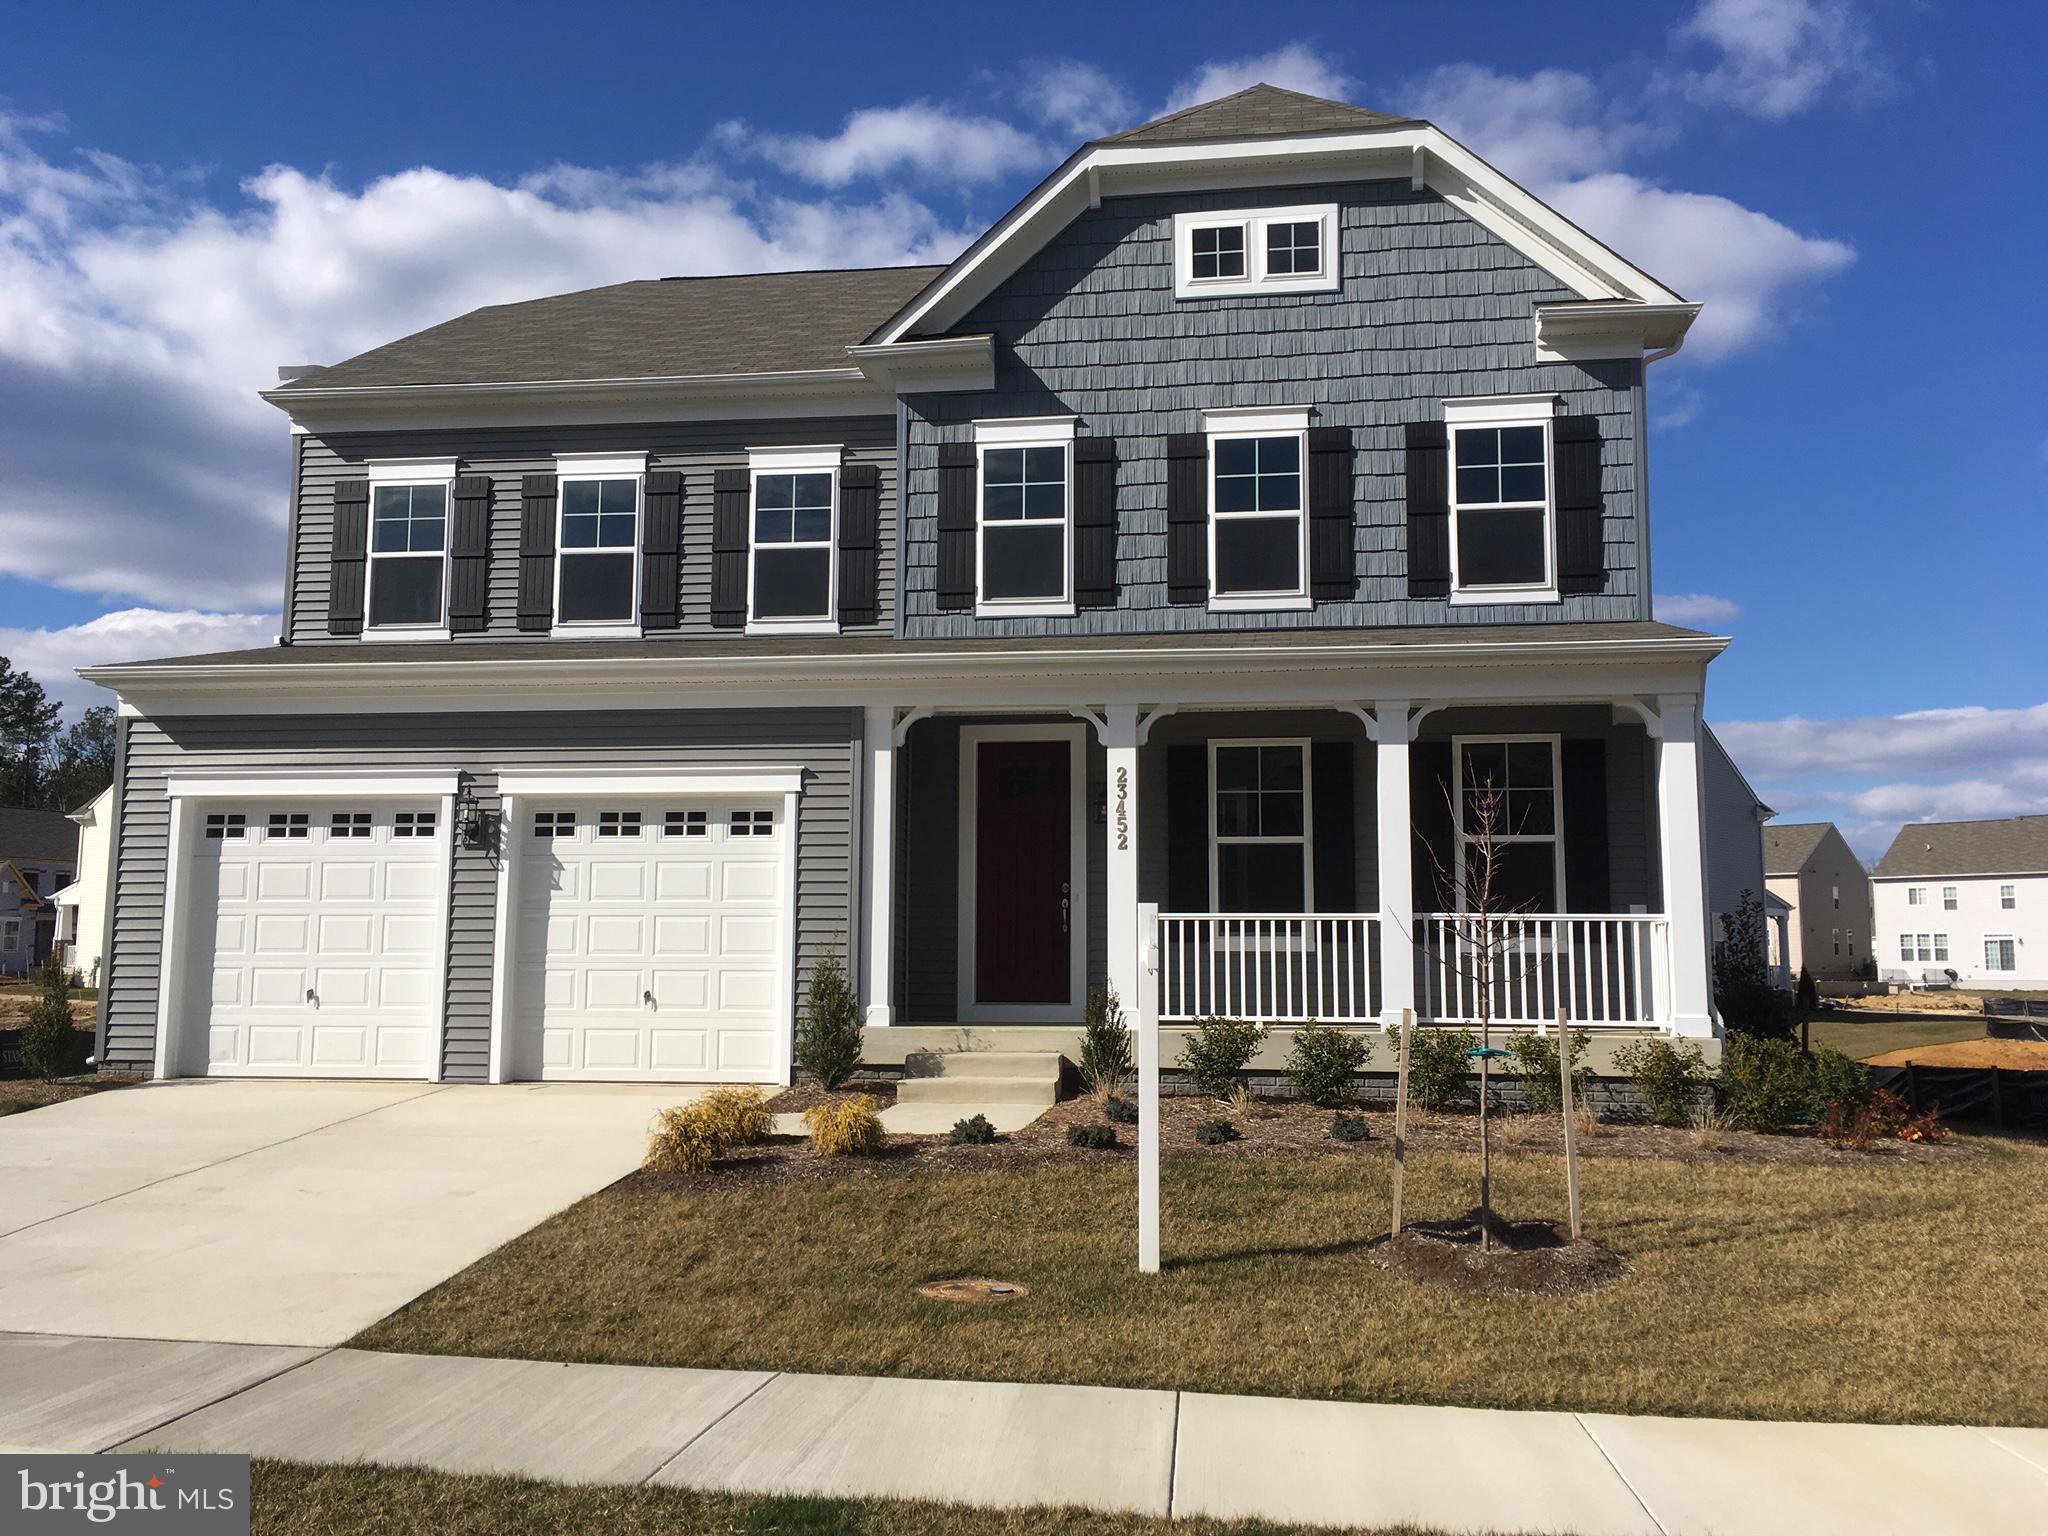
x=1606, y=328
x=917, y=367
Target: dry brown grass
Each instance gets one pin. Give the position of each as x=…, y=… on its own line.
x=1860, y=1288
x=24, y=1093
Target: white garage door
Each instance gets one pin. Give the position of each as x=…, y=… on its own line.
x=317, y=931
x=651, y=940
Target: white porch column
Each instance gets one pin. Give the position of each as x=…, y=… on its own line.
x=1394, y=839
x=878, y=852
x=1120, y=751
x=1690, y=1005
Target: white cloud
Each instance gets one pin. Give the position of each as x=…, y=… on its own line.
x=930, y=142
x=132, y=634
x=1076, y=98
x=1694, y=608
x=1292, y=66
x=1777, y=57
x=1539, y=129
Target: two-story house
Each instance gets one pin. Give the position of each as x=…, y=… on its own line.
x=1965, y=900
x=38, y=854
x=1149, y=599
x=1815, y=874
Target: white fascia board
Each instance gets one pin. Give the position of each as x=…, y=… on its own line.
x=665, y=782
x=1476, y=410
x=821, y=456
x=944, y=363
x=1036, y=430
x=326, y=785
x=409, y=471
x=1255, y=418
x=591, y=466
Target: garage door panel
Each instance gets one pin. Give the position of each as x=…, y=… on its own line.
x=405, y=1048
x=283, y=934
x=611, y=1050
x=230, y=934
x=342, y=986
x=746, y=991
x=682, y=934
x=617, y=880
x=558, y=1048
x=678, y=1050
x=612, y=989
x=748, y=935
x=402, y=989
x=288, y=881
x=277, y=987
x=682, y=991
x=683, y=880
x=227, y=988
x=231, y=881
x=754, y=880
x=355, y=880
x=223, y=1047
x=341, y=1045
x=276, y=1045
x=353, y=933
x=410, y=933
x=614, y=934
x=742, y=1051
x=412, y=882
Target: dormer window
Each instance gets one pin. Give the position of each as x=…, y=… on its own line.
x=1257, y=250
x=408, y=556
x=597, y=561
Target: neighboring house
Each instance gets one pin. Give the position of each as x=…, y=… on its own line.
x=1969, y=897
x=1778, y=935
x=82, y=905
x=1128, y=604
x=1733, y=826
x=38, y=854
x=1810, y=867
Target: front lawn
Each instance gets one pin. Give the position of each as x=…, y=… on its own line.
x=293, y=1500
x=1833, y=1286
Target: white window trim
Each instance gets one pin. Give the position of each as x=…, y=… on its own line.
x=1307, y=840
x=2008, y=898
x=1916, y=895
x=813, y=460
x=1248, y=422
x=601, y=466
x=1555, y=837
x=1256, y=279
x=398, y=472
x=1025, y=432
x=2001, y=970
x=1483, y=411
x=1950, y=898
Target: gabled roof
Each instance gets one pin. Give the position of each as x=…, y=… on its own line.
x=1258, y=111
x=1788, y=845
x=2016, y=845
x=37, y=837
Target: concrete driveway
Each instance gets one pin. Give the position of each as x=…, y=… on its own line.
x=287, y=1213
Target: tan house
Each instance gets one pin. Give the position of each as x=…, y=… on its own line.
x=1810, y=867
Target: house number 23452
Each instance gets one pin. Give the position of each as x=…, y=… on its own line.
x=1123, y=810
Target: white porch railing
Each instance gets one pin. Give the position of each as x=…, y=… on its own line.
x=1270, y=967
x=1611, y=969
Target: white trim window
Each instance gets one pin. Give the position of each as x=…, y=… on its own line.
x=1258, y=509
x=792, y=539
x=597, y=543
x=1503, y=499
x=1255, y=250
x=407, y=575
x=1948, y=898
x=1261, y=821
x=1916, y=895
x=1024, y=516
x=2008, y=898
x=2001, y=953
x=1923, y=948
x=1524, y=771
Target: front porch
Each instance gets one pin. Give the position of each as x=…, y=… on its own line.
x=1288, y=864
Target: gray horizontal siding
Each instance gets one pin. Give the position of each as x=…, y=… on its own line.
x=1432, y=306
x=697, y=449
x=481, y=747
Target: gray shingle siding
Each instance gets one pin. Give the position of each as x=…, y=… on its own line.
x=507, y=453
x=1432, y=306
x=821, y=742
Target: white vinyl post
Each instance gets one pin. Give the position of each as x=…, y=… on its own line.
x=1120, y=762
x=878, y=844
x=1689, y=1007
x=1394, y=839
x=1148, y=1090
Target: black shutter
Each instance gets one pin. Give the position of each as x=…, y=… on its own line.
x=1333, y=571
x=661, y=551
x=956, y=525
x=1583, y=796
x=729, y=548
x=1435, y=850
x=1187, y=826
x=1429, y=510
x=1187, y=518
x=537, y=552
x=860, y=540
x=349, y=557
x=1095, y=522
x=1581, y=547
x=1336, y=849
x=469, y=556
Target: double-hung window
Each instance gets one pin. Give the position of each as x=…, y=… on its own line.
x=1506, y=791
x=1026, y=520
x=1948, y=898
x=1258, y=506
x=1502, y=549
x=1259, y=841
x=597, y=561
x=2008, y=897
x=1254, y=251
x=791, y=553
x=408, y=559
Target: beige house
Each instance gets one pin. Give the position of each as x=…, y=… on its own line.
x=1810, y=867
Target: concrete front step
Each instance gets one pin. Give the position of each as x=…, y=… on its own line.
x=1017, y=1064
x=1037, y=1091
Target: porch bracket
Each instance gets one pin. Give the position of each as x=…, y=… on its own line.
x=1083, y=712
x=900, y=732
x=1653, y=722
x=1146, y=721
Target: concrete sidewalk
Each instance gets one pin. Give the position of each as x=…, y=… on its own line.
x=1161, y=1453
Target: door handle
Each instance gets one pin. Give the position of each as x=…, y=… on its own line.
x=647, y=998
x=312, y=997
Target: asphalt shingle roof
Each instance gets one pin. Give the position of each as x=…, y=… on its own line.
x=1259, y=111
x=37, y=837
x=665, y=328
x=2017, y=845
x=1788, y=845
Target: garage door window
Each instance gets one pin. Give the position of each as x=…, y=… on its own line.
x=618, y=823
x=551, y=824
x=685, y=824
x=414, y=824
x=288, y=823
x=753, y=824
x=350, y=824
x=226, y=824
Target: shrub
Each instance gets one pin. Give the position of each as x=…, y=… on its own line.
x=1888, y=1113
x=1350, y=1128
x=49, y=1042
x=1105, y=1045
x=847, y=1128
x=1120, y=1112
x=1840, y=1079
x=828, y=1036
x=1766, y=1085
x=1845, y=1127
x=736, y=1117
x=1097, y=1138
x=1214, y=1133
x=974, y=1131
x=1215, y=1055
x=1925, y=1126
x=682, y=1142
x=1743, y=992
x=1323, y=1064
x=1533, y=1064
x=1438, y=1070
x=1666, y=1076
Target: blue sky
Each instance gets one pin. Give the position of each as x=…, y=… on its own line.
x=1849, y=463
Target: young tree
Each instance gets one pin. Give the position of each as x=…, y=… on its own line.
x=28, y=724
x=49, y=1042
x=1748, y=1003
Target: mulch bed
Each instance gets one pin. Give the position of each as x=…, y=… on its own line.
x=794, y=1101
x=1527, y=1258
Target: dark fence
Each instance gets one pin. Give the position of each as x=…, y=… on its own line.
x=2016, y=1018
x=2000, y=1096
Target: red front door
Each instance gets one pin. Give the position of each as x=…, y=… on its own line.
x=1023, y=872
